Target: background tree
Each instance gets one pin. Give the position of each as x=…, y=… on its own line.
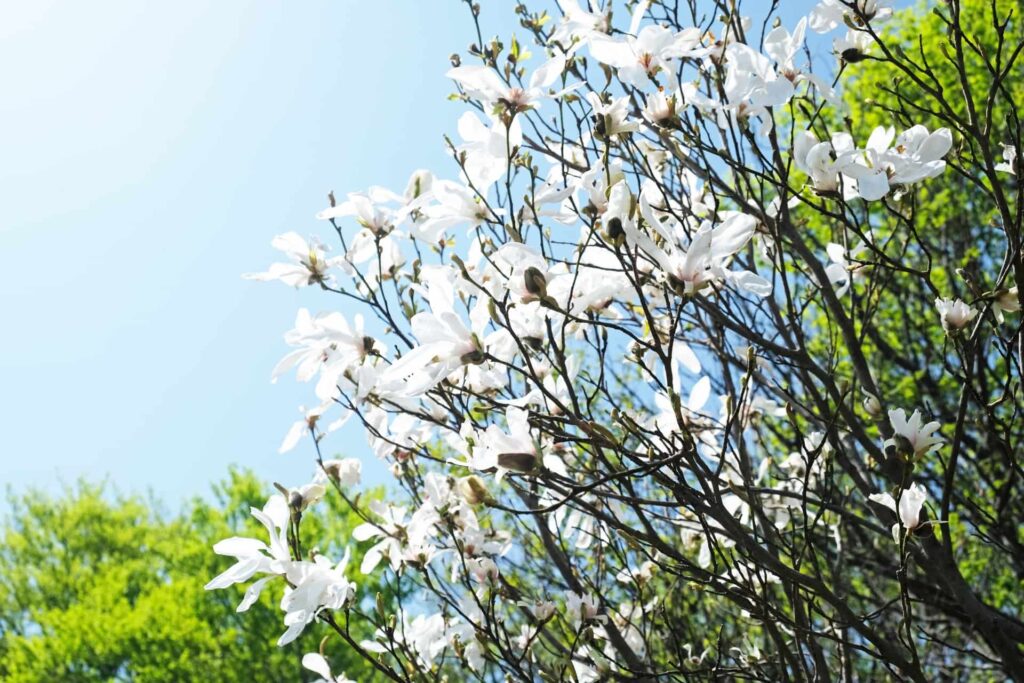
x=98, y=586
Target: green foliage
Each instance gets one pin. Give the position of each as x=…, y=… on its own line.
x=96, y=586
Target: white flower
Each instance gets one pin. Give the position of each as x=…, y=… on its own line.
x=582, y=608
x=640, y=59
x=915, y=156
x=347, y=472
x=1009, y=163
x=482, y=569
x=828, y=14
x=918, y=437
x=955, y=314
x=484, y=83
x=445, y=343
x=456, y=205
x=823, y=161
x=579, y=24
x=317, y=585
x=309, y=262
x=841, y=269
x=315, y=662
x=908, y=509
x=704, y=261
x=487, y=149
x=256, y=557
x=542, y=610
x=660, y=108
x=388, y=529
x=611, y=119
x=1006, y=301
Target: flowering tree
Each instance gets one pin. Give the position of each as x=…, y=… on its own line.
x=676, y=375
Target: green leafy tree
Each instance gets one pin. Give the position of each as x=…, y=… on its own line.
x=96, y=586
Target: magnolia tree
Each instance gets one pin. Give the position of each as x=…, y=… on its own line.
x=675, y=377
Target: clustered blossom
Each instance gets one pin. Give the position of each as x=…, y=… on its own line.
x=311, y=586
x=573, y=342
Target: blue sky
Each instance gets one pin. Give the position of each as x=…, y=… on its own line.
x=150, y=152
x=149, y=156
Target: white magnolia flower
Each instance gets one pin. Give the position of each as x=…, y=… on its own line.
x=578, y=24
x=908, y=509
x=611, y=119
x=445, y=343
x=1006, y=301
x=389, y=529
x=487, y=149
x=823, y=161
x=955, y=313
x=317, y=585
x=347, y=472
x=918, y=438
x=660, y=109
x=829, y=14
x=482, y=569
x=1009, y=163
x=315, y=662
x=704, y=261
x=483, y=83
x=582, y=608
x=854, y=46
x=256, y=557
x=456, y=205
x=542, y=610
x=842, y=269
x=915, y=156
x=309, y=262
x=644, y=53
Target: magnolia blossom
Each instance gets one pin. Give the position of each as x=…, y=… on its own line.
x=487, y=149
x=345, y=472
x=315, y=662
x=842, y=271
x=908, y=509
x=611, y=119
x=484, y=83
x=582, y=608
x=317, y=585
x=823, y=161
x=955, y=313
x=829, y=14
x=1009, y=162
x=704, y=261
x=309, y=262
x=445, y=342
x=915, y=156
x=256, y=557
x=660, y=108
x=580, y=24
x=1006, y=301
x=911, y=435
x=640, y=59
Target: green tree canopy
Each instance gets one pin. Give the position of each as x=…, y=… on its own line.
x=100, y=586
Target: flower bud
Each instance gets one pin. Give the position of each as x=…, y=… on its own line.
x=872, y=405
x=615, y=232
x=517, y=462
x=535, y=282
x=473, y=490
